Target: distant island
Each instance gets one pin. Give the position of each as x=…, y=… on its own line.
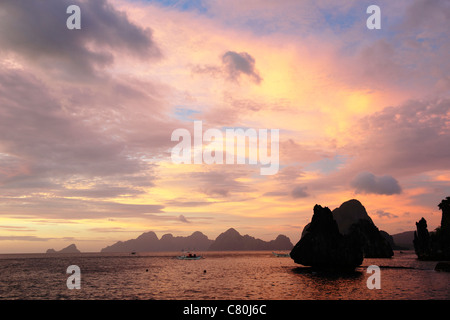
x=69, y=249
x=230, y=240
x=403, y=240
x=149, y=242
x=226, y=241
x=233, y=240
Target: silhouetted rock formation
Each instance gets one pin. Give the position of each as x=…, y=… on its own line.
x=388, y=238
x=149, y=242
x=352, y=219
x=69, y=249
x=422, y=240
x=445, y=220
x=233, y=240
x=323, y=246
x=434, y=245
x=197, y=241
x=229, y=240
x=349, y=213
x=444, y=236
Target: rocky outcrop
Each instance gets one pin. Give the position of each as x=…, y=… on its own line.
x=69, y=249
x=434, y=245
x=350, y=213
x=149, y=242
x=422, y=241
x=323, y=246
x=281, y=242
x=233, y=240
x=444, y=235
x=352, y=219
x=342, y=238
x=388, y=238
x=445, y=220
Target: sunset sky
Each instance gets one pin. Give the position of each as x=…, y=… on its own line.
x=86, y=116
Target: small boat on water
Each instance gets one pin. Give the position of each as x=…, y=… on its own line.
x=281, y=255
x=189, y=256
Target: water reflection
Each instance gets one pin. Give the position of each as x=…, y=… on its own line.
x=239, y=275
x=320, y=284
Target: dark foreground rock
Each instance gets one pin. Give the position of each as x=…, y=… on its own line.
x=323, y=246
x=422, y=241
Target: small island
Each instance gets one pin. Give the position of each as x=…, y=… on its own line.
x=69, y=249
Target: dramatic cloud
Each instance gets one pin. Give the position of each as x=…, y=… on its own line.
x=385, y=214
x=16, y=228
x=183, y=219
x=412, y=137
x=36, y=31
x=237, y=64
x=300, y=192
x=24, y=238
x=220, y=184
x=275, y=194
x=73, y=209
x=188, y=204
x=44, y=141
x=429, y=17
x=34, y=238
x=86, y=115
x=110, y=230
x=234, y=65
x=366, y=182
x=103, y=190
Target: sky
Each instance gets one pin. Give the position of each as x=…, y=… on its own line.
x=86, y=116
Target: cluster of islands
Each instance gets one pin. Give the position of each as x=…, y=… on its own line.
x=341, y=238
x=230, y=240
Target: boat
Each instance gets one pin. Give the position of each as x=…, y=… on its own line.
x=189, y=256
x=281, y=255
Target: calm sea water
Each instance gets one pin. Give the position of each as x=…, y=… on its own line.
x=229, y=275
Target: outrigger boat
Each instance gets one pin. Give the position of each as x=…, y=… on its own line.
x=281, y=254
x=189, y=256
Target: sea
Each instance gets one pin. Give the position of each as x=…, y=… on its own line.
x=236, y=275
